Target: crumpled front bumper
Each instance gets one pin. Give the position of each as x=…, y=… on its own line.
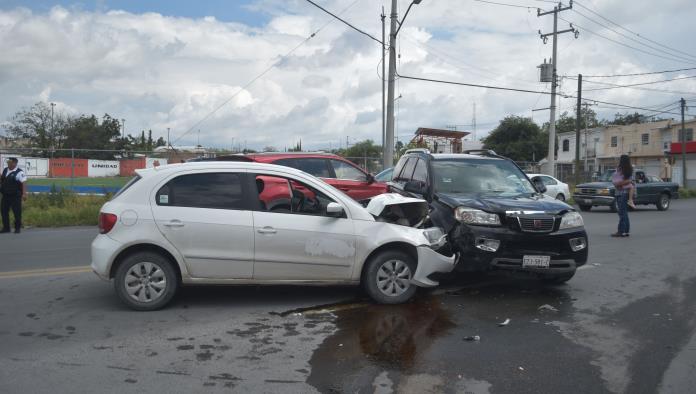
x=430, y=262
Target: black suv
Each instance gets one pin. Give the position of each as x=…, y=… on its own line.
x=495, y=217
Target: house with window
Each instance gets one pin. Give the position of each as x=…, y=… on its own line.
x=674, y=149
x=646, y=143
x=591, y=147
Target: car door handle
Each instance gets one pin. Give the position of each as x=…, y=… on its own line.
x=174, y=223
x=267, y=230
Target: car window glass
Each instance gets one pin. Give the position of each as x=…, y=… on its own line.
x=344, y=170
x=288, y=196
x=316, y=167
x=487, y=176
x=399, y=166
x=407, y=172
x=288, y=163
x=206, y=190
x=548, y=181
x=420, y=173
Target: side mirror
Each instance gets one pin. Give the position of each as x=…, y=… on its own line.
x=334, y=210
x=539, y=184
x=370, y=179
x=415, y=187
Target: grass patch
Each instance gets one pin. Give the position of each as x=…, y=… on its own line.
x=687, y=193
x=62, y=208
x=116, y=181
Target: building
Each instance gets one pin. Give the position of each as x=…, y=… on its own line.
x=591, y=148
x=674, y=148
x=439, y=140
x=646, y=143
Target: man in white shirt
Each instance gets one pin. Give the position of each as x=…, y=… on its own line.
x=13, y=189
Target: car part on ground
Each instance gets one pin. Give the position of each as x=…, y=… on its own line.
x=208, y=223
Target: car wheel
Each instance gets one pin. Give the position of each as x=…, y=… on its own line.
x=387, y=277
x=585, y=208
x=663, y=202
x=558, y=279
x=560, y=197
x=145, y=281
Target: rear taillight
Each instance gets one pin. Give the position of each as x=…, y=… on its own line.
x=106, y=222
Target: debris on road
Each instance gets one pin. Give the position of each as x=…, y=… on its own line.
x=520, y=368
x=547, y=307
x=505, y=323
x=472, y=338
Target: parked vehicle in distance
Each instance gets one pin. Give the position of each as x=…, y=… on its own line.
x=333, y=169
x=495, y=218
x=554, y=187
x=385, y=175
x=211, y=223
x=649, y=190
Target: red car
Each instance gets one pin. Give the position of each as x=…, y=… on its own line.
x=333, y=169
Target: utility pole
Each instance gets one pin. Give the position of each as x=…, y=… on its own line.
x=123, y=128
x=578, y=122
x=389, y=138
x=168, y=143
x=683, y=143
x=384, y=67
x=587, y=110
x=53, y=132
x=473, y=121
x=554, y=81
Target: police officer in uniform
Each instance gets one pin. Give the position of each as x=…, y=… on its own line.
x=12, y=187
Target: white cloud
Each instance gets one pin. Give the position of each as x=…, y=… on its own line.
x=157, y=71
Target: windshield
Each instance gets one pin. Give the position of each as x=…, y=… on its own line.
x=493, y=176
x=606, y=176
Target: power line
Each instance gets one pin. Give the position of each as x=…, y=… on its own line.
x=632, y=32
x=638, y=84
x=524, y=91
x=345, y=22
x=626, y=45
x=633, y=39
x=637, y=74
x=259, y=76
x=506, y=4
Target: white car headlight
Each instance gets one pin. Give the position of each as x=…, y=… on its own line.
x=436, y=237
x=571, y=220
x=476, y=216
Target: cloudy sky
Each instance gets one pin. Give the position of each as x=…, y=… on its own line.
x=171, y=64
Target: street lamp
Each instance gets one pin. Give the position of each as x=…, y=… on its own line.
x=388, y=159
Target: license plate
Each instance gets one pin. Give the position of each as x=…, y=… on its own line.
x=536, y=261
x=588, y=201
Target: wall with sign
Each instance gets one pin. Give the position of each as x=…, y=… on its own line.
x=101, y=168
x=67, y=167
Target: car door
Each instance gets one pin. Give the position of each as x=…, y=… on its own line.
x=207, y=217
x=302, y=243
x=644, y=193
x=353, y=181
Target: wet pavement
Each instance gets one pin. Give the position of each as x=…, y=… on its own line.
x=624, y=324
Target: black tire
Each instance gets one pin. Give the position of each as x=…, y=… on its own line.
x=558, y=279
x=560, y=197
x=136, y=266
x=392, y=284
x=585, y=208
x=663, y=202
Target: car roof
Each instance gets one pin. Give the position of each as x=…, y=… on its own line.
x=272, y=156
x=223, y=165
x=459, y=156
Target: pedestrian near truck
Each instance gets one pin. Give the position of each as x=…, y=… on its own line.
x=13, y=189
x=623, y=182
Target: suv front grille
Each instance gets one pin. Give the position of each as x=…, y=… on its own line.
x=588, y=191
x=536, y=224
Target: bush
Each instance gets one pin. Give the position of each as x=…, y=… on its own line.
x=62, y=208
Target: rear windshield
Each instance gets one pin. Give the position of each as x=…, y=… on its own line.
x=493, y=176
x=126, y=186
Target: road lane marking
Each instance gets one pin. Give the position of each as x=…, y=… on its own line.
x=46, y=272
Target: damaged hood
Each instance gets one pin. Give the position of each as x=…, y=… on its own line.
x=499, y=204
x=395, y=208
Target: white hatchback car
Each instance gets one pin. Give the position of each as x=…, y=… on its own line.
x=554, y=188
x=250, y=223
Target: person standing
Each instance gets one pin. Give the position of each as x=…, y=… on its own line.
x=623, y=182
x=12, y=186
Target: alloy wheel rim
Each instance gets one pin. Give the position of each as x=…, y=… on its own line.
x=145, y=282
x=393, y=278
x=665, y=202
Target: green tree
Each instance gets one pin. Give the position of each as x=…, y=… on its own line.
x=150, y=142
x=626, y=119
x=86, y=132
x=160, y=142
x=518, y=138
x=37, y=125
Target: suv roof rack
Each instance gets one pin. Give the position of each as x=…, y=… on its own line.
x=482, y=152
x=418, y=150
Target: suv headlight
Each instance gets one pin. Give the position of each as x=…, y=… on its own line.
x=571, y=220
x=476, y=216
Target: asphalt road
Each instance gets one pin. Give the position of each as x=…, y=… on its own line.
x=624, y=324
